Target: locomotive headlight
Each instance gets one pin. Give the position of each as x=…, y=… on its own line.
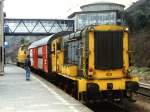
x=127, y=29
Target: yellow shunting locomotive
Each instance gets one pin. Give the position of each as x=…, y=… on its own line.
x=90, y=64
x=21, y=55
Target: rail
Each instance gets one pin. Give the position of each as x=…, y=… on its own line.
x=146, y=86
x=144, y=89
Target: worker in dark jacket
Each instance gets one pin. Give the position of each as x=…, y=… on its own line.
x=27, y=65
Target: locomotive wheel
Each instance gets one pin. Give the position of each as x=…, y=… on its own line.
x=74, y=90
x=83, y=98
x=67, y=86
x=17, y=63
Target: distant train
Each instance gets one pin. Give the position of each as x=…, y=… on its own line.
x=22, y=53
x=89, y=64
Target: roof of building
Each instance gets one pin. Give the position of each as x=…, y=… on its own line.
x=101, y=3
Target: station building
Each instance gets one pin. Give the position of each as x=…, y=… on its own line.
x=98, y=13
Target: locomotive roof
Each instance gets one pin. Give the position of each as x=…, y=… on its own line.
x=46, y=40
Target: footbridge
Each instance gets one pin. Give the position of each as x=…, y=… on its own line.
x=36, y=27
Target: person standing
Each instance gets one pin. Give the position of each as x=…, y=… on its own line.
x=27, y=65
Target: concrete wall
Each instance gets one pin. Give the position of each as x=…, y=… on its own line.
x=1, y=39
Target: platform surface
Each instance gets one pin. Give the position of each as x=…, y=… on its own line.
x=36, y=95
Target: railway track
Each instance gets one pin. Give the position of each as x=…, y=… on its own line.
x=144, y=90
x=107, y=107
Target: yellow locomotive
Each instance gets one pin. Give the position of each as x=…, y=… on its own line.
x=89, y=64
x=21, y=55
x=94, y=61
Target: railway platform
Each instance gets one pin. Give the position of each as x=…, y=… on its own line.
x=36, y=95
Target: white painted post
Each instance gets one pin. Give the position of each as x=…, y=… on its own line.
x=1, y=39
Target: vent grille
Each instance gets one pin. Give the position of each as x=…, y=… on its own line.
x=108, y=49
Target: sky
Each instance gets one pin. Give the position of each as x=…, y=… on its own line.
x=49, y=9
